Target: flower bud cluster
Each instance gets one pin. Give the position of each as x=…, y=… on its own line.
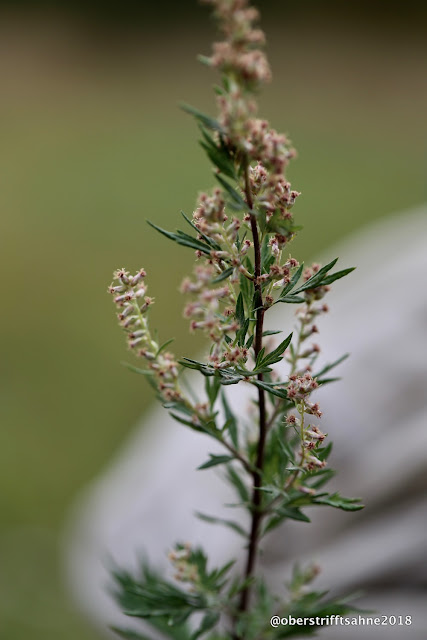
x=210, y=219
x=185, y=569
x=300, y=387
x=132, y=304
x=299, y=390
x=271, y=193
x=239, y=53
x=212, y=311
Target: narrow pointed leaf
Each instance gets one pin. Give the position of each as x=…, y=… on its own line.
x=215, y=460
x=227, y=523
x=317, y=278
x=207, y=121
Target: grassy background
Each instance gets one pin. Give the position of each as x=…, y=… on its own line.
x=93, y=144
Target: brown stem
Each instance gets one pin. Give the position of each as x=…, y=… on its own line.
x=257, y=474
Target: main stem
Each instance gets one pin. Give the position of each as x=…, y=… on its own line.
x=257, y=475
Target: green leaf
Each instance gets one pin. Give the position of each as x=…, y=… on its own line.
x=330, y=366
x=336, y=276
x=212, y=387
x=187, y=423
x=323, y=476
x=284, y=513
x=291, y=299
x=270, y=388
x=207, y=121
x=317, y=278
x=231, y=422
x=250, y=341
x=127, y=634
x=206, y=238
x=235, y=479
x=293, y=281
x=209, y=621
x=224, y=275
x=236, y=201
x=246, y=289
x=164, y=345
x=227, y=523
x=215, y=460
x=241, y=333
x=324, y=452
x=339, y=502
x=220, y=158
x=277, y=354
x=240, y=311
x=294, y=513
x=143, y=372
x=183, y=239
x=270, y=333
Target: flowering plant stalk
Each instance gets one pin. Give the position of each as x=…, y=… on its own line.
x=278, y=465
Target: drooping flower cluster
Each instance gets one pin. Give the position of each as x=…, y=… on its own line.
x=132, y=304
x=212, y=311
x=299, y=390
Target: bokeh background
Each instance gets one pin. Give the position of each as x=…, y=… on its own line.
x=92, y=144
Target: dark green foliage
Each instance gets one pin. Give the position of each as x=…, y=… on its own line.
x=235, y=200
x=276, y=355
x=183, y=239
x=202, y=118
x=275, y=466
x=215, y=460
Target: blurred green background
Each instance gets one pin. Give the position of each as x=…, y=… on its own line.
x=93, y=144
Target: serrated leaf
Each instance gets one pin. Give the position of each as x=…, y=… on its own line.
x=339, y=502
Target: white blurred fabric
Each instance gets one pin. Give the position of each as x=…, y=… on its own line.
x=377, y=417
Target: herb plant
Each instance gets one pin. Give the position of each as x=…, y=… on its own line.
x=240, y=233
